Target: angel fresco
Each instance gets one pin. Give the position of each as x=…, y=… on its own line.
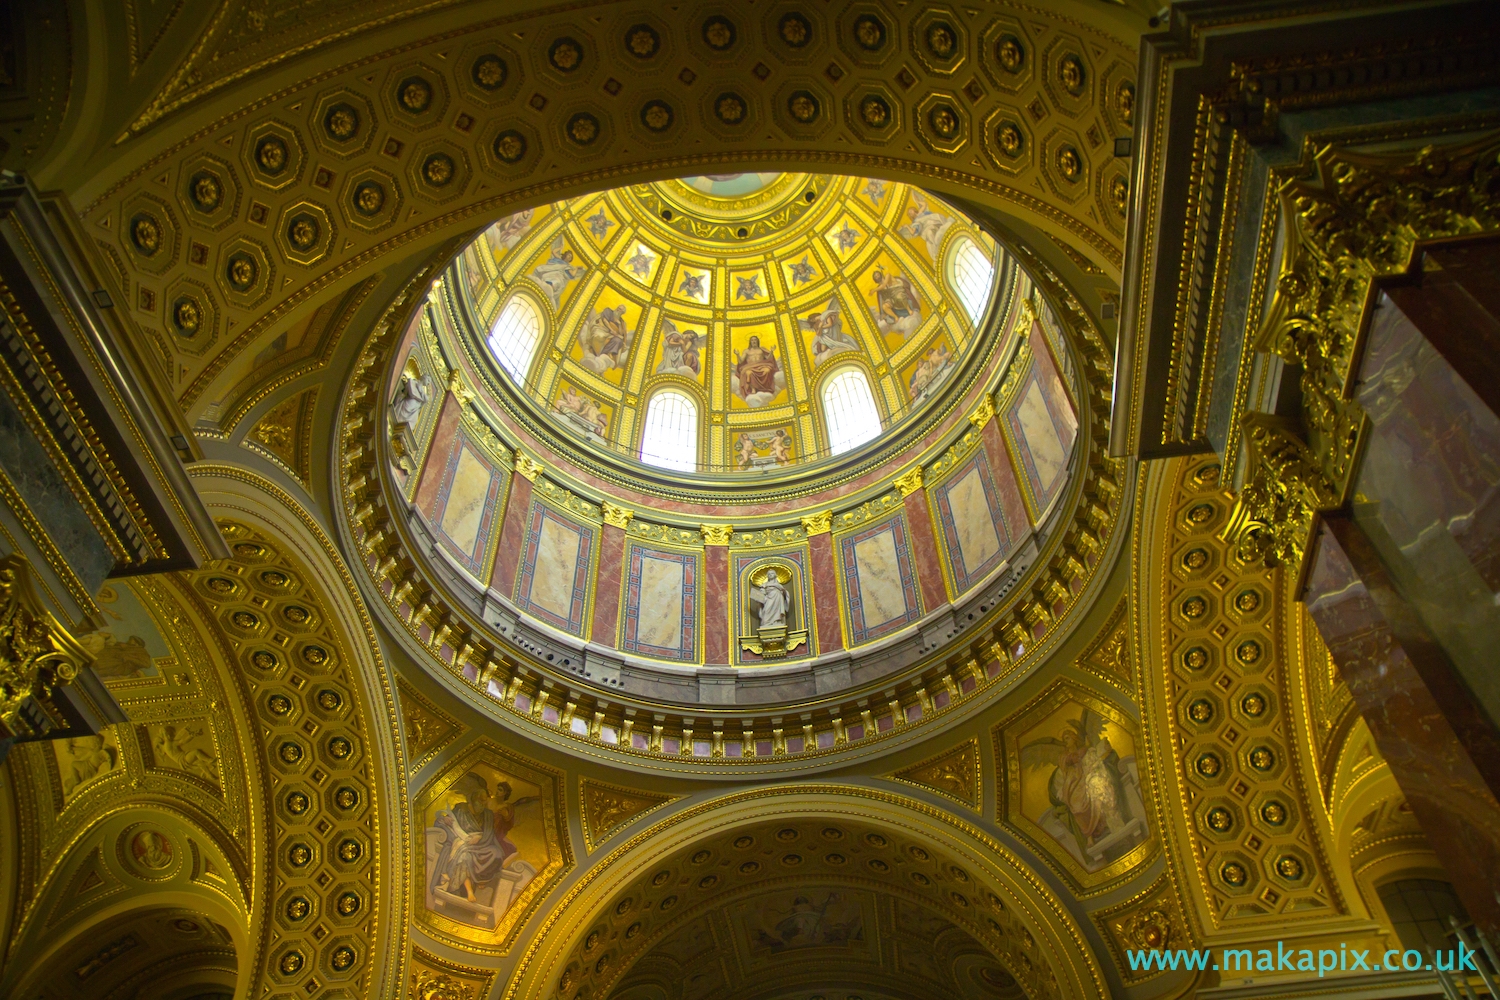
x=1096, y=812
x=757, y=377
x=605, y=339
x=930, y=370
x=557, y=271
x=473, y=870
x=680, y=351
x=829, y=337
x=925, y=224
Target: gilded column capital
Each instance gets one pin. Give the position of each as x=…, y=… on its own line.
x=616, y=515
x=909, y=481
x=984, y=412
x=716, y=534
x=1284, y=490
x=527, y=466
x=461, y=392
x=818, y=524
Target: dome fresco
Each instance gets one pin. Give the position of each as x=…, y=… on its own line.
x=738, y=301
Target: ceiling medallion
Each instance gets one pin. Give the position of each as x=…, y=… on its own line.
x=1010, y=139
x=729, y=108
x=341, y=122
x=1069, y=163
x=489, y=72
x=944, y=121
x=145, y=234
x=242, y=272
x=1010, y=54
x=510, y=146
x=271, y=155
x=565, y=55
x=875, y=112
x=302, y=232
x=795, y=30
x=719, y=33
x=414, y=94
x=1070, y=73
x=369, y=198
x=642, y=41
x=942, y=40
x=206, y=190
x=803, y=106
x=1125, y=102
x=438, y=169
x=657, y=116
x=187, y=315
x=869, y=32
x=583, y=128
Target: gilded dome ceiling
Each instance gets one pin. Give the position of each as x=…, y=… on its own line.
x=741, y=298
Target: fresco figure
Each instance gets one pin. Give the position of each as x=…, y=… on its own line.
x=758, y=377
x=582, y=412
x=925, y=224
x=680, y=351
x=829, y=337
x=935, y=364
x=557, y=271
x=1092, y=793
x=898, y=307
x=506, y=233
x=475, y=850
x=605, y=339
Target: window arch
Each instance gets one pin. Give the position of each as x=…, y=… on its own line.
x=849, y=410
x=670, y=439
x=972, y=276
x=515, y=336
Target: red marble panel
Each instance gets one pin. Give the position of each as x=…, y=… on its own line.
x=1004, y=471
x=607, y=585
x=716, y=605
x=444, y=440
x=924, y=546
x=1440, y=748
x=825, y=588
x=512, y=536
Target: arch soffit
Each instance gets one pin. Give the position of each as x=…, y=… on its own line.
x=1039, y=909
x=286, y=275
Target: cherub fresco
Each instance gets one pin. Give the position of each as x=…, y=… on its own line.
x=930, y=370
x=693, y=286
x=604, y=339
x=557, y=271
x=925, y=224
x=680, y=351
x=762, y=449
x=640, y=264
x=748, y=288
x=1095, y=810
x=827, y=328
x=802, y=271
x=599, y=224
x=898, y=307
x=582, y=412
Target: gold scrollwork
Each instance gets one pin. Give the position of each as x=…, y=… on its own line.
x=818, y=524
x=616, y=515
x=910, y=481
x=1359, y=220
x=528, y=467
x=37, y=655
x=716, y=534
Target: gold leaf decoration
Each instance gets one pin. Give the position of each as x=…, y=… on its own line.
x=284, y=434
x=953, y=773
x=428, y=729
x=608, y=808
x=1150, y=921
x=1109, y=656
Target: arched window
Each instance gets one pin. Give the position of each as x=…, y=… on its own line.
x=849, y=409
x=973, y=277
x=670, y=440
x=515, y=336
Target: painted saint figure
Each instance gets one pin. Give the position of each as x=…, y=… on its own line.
x=680, y=351
x=476, y=849
x=604, y=338
x=1085, y=788
x=925, y=224
x=931, y=370
x=582, y=412
x=557, y=271
x=508, y=232
x=757, y=374
x=829, y=337
x=898, y=307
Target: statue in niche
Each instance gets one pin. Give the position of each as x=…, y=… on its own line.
x=413, y=392
x=774, y=614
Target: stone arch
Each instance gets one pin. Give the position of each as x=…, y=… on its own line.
x=942, y=857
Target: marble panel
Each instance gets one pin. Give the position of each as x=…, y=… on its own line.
x=1041, y=427
x=880, y=585
x=444, y=440
x=716, y=605
x=924, y=546
x=466, y=506
x=512, y=535
x=660, y=613
x=825, y=592
x=975, y=535
x=555, y=569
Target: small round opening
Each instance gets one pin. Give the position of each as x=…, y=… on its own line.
x=666, y=214
x=811, y=196
x=742, y=232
